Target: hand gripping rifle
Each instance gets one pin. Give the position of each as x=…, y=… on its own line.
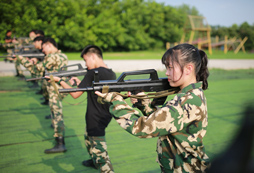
x=160, y=86
x=64, y=72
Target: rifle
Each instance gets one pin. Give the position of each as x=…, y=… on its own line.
x=153, y=84
x=33, y=53
x=64, y=72
x=7, y=45
x=24, y=48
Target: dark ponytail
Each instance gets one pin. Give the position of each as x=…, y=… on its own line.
x=203, y=72
x=187, y=53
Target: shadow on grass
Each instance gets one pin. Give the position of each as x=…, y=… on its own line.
x=69, y=161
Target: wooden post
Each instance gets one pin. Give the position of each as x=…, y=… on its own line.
x=209, y=42
x=217, y=39
x=226, y=44
x=241, y=45
x=167, y=45
x=183, y=38
x=191, y=37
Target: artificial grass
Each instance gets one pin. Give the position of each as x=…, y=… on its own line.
x=25, y=134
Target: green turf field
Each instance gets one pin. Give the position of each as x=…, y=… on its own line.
x=25, y=134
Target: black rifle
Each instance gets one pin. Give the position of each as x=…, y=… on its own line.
x=153, y=84
x=33, y=53
x=64, y=72
x=8, y=45
x=24, y=48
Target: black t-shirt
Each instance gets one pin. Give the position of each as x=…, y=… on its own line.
x=97, y=115
x=7, y=38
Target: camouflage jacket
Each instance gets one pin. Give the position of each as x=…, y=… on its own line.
x=180, y=125
x=25, y=62
x=52, y=62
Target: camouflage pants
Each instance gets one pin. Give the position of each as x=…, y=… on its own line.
x=18, y=67
x=97, y=149
x=55, y=104
x=45, y=93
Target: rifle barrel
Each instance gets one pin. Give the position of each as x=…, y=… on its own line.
x=62, y=74
x=37, y=78
x=68, y=90
x=30, y=55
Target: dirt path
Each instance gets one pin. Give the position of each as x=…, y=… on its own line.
x=8, y=69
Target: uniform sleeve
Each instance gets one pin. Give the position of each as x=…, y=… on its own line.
x=40, y=67
x=161, y=122
x=26, y=63
x=145, y=107
x=51, y=62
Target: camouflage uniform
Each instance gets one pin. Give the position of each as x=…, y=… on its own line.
x=97, y=148
x=36, y=73
x=45, y=93
x=24, y=41
x=18, y=68
x=180, y=125
x=52, y=63
x=17, y=61
x=31, y=67
x=10, y=50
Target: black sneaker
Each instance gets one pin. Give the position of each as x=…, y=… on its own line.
x=39, y=92
x=35, y=85
x=46, y=102
x=21, y=77
x=89, y=163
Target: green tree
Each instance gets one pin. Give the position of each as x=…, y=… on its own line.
x=114, y=25
x=246, y=30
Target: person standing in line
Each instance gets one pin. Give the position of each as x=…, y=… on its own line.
x=32, y=35
x=30, y=65
x=181, y=123
x=97, y=115
x=8, y=38
x=52, y=62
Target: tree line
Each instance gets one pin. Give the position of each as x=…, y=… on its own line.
x=114, y=25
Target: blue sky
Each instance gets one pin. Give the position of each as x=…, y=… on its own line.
x=220, y=12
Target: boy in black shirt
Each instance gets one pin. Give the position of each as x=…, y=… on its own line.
x=97, y=115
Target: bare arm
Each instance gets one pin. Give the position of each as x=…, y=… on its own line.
x=66, y=86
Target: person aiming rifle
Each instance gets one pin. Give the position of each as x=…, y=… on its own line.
x=25, y=58
x=63, y=72
x=8, y=38
x=181, y=123
x=52, y=62
x=97, y=115
x=32, y=35
x=29, y=62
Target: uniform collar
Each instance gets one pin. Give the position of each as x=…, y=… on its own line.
x=191, y=87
